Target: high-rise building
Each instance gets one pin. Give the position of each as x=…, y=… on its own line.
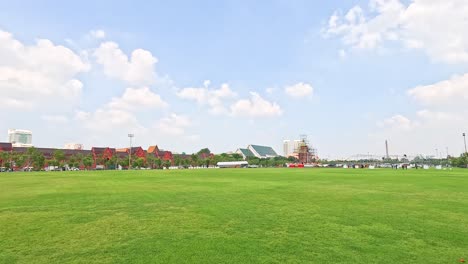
x=291, y=147
x=300, y=149
x=296, y=145
x=286, y=147
x=387, y=156
x=20, y=137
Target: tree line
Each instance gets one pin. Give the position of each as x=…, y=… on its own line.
x=35, y=160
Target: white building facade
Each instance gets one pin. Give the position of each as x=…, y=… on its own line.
x=291, y=147
x=20, y=137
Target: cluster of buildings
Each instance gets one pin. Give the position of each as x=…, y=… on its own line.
x=99, y=155
x=300, y=149
x=21, y=140
x=261, y=152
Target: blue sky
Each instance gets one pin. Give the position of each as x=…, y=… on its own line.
x=349, y=74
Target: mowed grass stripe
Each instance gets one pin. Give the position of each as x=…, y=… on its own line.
x=235, y=216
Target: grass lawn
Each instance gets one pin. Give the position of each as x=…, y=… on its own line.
x=235, y=216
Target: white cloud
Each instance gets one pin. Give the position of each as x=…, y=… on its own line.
x=108, y=120
x=254, y=107
x=438, y=116
x=173, y=124
x=119, y=112
x=31, y=76
x=214, y=98
x=299, y=90
x=18, y=104
x=138, y=70
x=439, y=125
x=342, y=53
x=58, y=119
x=97, y=34
x=270, y=90
x=135, y=99
x=397, y=122
x=448, y=92
x=424, y=133
x=437, y=27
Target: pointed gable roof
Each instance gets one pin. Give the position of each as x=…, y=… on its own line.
x=153, y=149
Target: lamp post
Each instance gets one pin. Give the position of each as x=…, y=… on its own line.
x=130, y=136
x=464, y=140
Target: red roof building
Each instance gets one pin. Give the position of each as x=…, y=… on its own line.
x=101, y=155
x=161, y=154
x=5, y=147
x=135, y=151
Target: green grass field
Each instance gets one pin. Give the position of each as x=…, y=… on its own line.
x=234, y=216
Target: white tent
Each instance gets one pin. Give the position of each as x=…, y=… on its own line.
x=232, y=164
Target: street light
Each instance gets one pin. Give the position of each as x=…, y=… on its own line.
x=130, y=151
x=464, y=140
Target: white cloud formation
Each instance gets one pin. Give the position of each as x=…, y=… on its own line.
x=438, y=126
x=119, y=112
x=33, y=75
x=135, y=99
x=299, y=90
x=255, y=107
x=214, y=98
x=427, y=131
x=448, y=92
x=438, y=27
x=397, y=122
x=108, y=120
x=139, y=69
x=438, y=116
x=173, y=124
x=270, y=90
x=97, y=34
x=58, y=119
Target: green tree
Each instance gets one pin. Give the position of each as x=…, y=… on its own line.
x=139, y=163
x=461, y=161
x=31, y=152
x=87, y=162
x=204, y=151
x=124, y=162
x=167, y=164
x=4, y=156
x=194, y=159
x=150, y=160
x=19, y=159
x=158, y=162
x=51, y=162
x=201, y=162
x=111, y=163
x=72, y=161
x=79, y=159
x=186, y=163
x=254, y=161
x=59, y=157
x=38, y=161
x=237, y=156
x=177, y=160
